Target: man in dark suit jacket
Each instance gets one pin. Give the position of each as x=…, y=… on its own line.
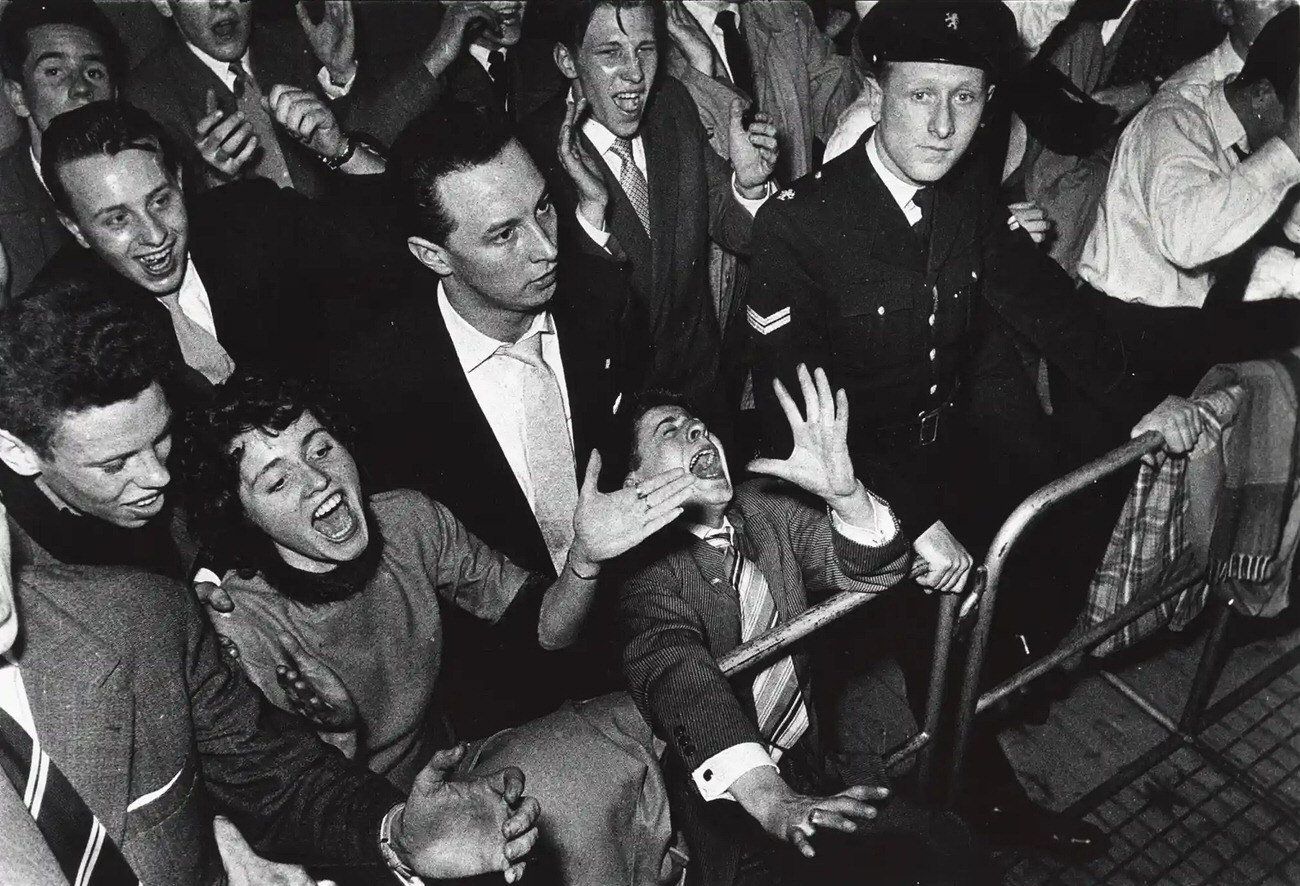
x=269, y=277
x=133, y=704
x=702, y=591
x=190, y=84
x=437, y=399
x=76, y=43
x=668, y=197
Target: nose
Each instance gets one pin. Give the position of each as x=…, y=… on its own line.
x=153, y=472
x=544, y=249
x=81, y=87
x=152, y=230
x=941, y=125
x=696, y=431
x=633, y=68
x=316, y=481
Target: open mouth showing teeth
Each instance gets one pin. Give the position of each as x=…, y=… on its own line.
x=706, y=464
x=224, y=30
x=334, y=519
x=628, y=102
x=158, y=263
x=147, y=502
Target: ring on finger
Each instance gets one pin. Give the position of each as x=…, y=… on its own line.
x=647, y=505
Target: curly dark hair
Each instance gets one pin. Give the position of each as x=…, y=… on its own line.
x=209, y=470
x=22, y=16
x=65, y=348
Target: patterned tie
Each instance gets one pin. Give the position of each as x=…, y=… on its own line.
x=548, y=449
x=499, y=73
x=632, y=181
x=199, y=348
x=83, y=849
x=742, y=71
x=782, y=714
x=269, y=162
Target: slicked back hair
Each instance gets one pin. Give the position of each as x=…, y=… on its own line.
x=22, y=16
x=100, y=129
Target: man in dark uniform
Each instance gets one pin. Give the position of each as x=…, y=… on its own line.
x=894, y=268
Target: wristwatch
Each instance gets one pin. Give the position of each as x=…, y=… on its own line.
x=341, y=159
x=401, y=870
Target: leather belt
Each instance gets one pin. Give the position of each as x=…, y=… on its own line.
x=922, y=431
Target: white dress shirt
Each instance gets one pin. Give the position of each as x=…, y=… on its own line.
x=731, y=763
x=1178, y=198
x=706, y=14
x=13, y=695
x=496, y=381
x=193, y=298
x=904, y=193
x=603, y=140
x=1219, y=63
x=1110, y=26
x=222, y=70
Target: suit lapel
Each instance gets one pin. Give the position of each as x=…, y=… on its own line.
x=623, y=223
x=192, y=79
x=583, y=371
x=721, y=606
x=26, y=858
x=81, y=700
x=951, y=230
x=661, y=140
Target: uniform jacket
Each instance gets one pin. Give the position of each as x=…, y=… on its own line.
x=421, y=428
x=534, y=79
x=29, y=228
x=286, y=277
x=133, y=703
x=679, y=613
x=840, y=280
x=690, y=201
x=799, y=78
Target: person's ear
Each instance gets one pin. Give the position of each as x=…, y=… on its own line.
x=431, y=255
x=875, y=91
x=17, y=102
x=564, y=61
x=18, y=456
x=164, y=8
x=71, y=226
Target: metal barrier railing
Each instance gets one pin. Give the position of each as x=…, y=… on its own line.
x=782, y=636
x=972, y=702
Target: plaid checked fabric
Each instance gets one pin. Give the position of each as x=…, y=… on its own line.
x=632, y=181
x=782, y=714
x=83, y=849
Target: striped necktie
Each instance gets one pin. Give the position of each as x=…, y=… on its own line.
x=84, y=850
x=631, y=180
x=782, y=714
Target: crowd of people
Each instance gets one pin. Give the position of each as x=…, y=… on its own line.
x=404, y=404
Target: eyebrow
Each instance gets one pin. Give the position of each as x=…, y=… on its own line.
x=266, y=467
x=54, y=54
x=120, y=206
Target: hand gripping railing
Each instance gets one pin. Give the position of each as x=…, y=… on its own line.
x=972, y=703
x=782, y=636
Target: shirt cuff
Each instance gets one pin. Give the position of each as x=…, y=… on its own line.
x=331, y=90
x=716, y=775
x=882, y=530
x=599, y=237
x=751, y=206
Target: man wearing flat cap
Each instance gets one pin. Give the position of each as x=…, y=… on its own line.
x=895, y=269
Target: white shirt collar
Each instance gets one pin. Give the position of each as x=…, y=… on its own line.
x=1227, y=127
x=481, y=53
x=220, y=68
x=36, y=164
x=702, y=532
x=473, y=348
x=901, y=191
x=601, y=138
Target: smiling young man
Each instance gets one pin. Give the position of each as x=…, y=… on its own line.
x=54, y=56
x=117, y=689
x=248, y=273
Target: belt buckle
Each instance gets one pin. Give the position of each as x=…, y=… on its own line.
x=929, y=427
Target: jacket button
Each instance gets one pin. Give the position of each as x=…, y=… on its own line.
x=708, y=775
x=881, y=310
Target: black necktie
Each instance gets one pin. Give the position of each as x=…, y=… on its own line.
x=85, y=852
x=742, y=75
x=924, y=200
x=499, y=72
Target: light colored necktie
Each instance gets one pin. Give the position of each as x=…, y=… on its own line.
x=548, y=449
x=632, y=181
x=199, y=348
x=270, y=162
x=782, y=714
